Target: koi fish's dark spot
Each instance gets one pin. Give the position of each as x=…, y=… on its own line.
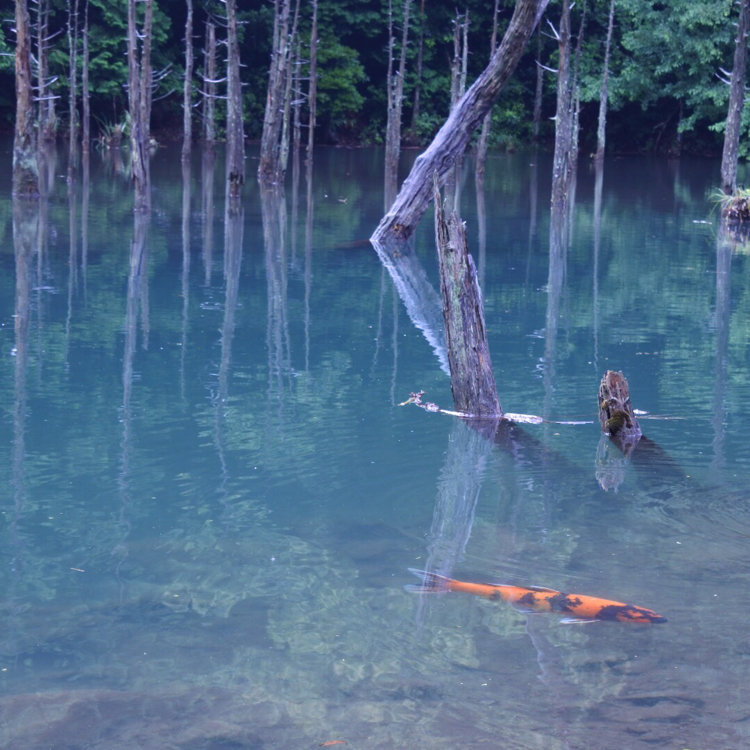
x=629, y=613
x=565, y=603
x=528, y=600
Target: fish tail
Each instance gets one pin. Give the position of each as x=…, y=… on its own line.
x=432, y=583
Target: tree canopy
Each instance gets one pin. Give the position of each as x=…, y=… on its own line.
x=664, y=87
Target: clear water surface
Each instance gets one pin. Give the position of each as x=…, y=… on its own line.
x=211, y=498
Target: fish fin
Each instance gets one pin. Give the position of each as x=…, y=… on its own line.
x=543, y=588
x=525, y=610
x=577, y=621
x=432, y=583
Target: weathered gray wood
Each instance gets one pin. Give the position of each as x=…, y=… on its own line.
x=472, y=377
x=455, y=135
x=25, y=166
x=616, y=414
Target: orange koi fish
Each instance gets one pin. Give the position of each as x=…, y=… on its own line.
x=578, y=607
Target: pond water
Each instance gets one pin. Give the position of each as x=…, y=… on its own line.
x=211, y=496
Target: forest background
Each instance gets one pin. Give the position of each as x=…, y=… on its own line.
x=666, y=66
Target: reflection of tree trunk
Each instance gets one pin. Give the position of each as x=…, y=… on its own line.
x=459, y=486
x=208, y=164
x=598, y=188
x=25, y=167
x=85, y=194
x=455, y=134
x=72, y=256
x=186, y=200
x=721, y=320
x=736, y=102
x=308, y=254
x=481, y=224
x=233, y=226
x=273, y=207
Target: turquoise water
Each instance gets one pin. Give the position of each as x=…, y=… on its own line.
x=212, y=498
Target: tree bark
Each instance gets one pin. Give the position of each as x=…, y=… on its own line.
x=418, y=77
x=562, y=163
x=484, y=137
x=454, y=136
x=616, y=414
x=187, y=93
x=73, y=83
x=85, y=90
x=472, y=377
x=269, y=167
x=235, y=130
x=25, y=165
x=736, y=102
x=601, y=128
x=312, y=96
x=209, y=96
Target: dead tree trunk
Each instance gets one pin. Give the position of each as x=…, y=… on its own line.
x=85, y=89
x=472, y=377
x=312, y=96
x=269, y=167
x=736, y=101
x=187, y=92
x=139, y=97
x=539, y=89
x=562, y=163
x=73, y=83
x=484, y=137
x=455, y=134
x=209, y=94
x=47, y=117
x=601, y=128
x=418, y=77
x=235, y=129
x=616, y=414
x=25, y=165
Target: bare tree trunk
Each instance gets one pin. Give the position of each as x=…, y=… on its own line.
x=736, y=101
x=484, y=137
x=85, y=92
x=47, y=117
x=139, y=92
x=187, y=93
x=269, y=167
x=537, y=117
x=562, y=166
x=455, y=134
x=73, y=83
x=25, y=165
x=291, y=66
x=209, y=96
x=472, y=377
x=395, y=103
x=418, y=77
x=601, y=128
x=235, y=129
x=312, y=97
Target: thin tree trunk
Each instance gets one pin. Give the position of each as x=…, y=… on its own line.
x=312, y=97
x=562, y=166
x=187, y=93
x=25, y=165
x=235, y=129
x=455, y=134
x=290, y=66
x=484, y=137
x=601, y=127
x=736, y=101
x=539, y=90
x=47, y=117
x=85, y=91
x=418, y=77
x=73, y=83
x=209, y=96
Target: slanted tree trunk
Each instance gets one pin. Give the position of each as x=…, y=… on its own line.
x=601, y=128
x=209, y=94
x=312, y=96
x=269, y=167
x=472, y=377
x=25, y=165
x=736, y=101
x=395, y=85
x=235, y=129
x=187, y=92
x=454, y=136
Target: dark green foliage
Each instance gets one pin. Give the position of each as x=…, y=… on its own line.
x=664, y=90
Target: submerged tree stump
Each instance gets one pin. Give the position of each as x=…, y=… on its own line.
x=616, y=414
x=472, y=377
